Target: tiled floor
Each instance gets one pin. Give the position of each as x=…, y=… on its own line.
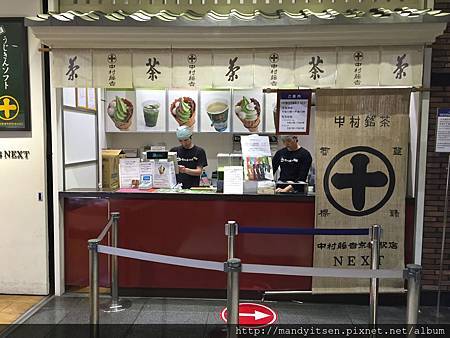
x=12, y=307
x=203, y=312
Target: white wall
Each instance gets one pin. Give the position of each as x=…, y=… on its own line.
x=23, y=227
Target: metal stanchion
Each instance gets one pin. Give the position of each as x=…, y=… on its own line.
x=93, y=286
x=375, y=235
x=413, y=275
x=232, y=267
x=116, y=304
x=231, y=230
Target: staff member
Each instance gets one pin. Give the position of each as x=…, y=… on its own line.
x=294, y=162
x=191, y=159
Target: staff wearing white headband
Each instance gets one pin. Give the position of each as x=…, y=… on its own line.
x=191, y=159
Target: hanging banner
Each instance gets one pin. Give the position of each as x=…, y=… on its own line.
x=315, y=67
x=361, y=162
x=274, y=68
x=239, y=68
x=152, y=69
x=112, y=69
x=233, y=69
x=401, y=66
x=360, y=66
x=73, y=68
x=14, y=76
x=192, y=69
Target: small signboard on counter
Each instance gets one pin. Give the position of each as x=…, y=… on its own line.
x=233, y=180
x=293, y=111
x=443, y=130
x=129, y=172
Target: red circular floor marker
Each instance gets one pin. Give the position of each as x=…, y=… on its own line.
x=253, y=314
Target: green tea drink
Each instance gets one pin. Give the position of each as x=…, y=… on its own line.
x=151, y=111
x=218, y=114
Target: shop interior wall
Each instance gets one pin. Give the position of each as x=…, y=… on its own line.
x=24, y=244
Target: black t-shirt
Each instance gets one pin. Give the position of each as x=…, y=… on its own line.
x=294, y=164
x=190, y=158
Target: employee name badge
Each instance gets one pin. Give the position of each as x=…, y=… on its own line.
x=164, y=175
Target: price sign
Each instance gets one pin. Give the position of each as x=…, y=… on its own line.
x=293, y=111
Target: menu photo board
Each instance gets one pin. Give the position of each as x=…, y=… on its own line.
x=293, y=111
x=443, y=130
x=14, y=76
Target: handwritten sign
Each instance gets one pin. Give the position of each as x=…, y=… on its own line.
x=293, y=111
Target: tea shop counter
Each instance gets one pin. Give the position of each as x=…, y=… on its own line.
x=192, y=226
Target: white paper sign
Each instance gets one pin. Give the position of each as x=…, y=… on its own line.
x=112, y=69
x=128, y=172
x=72, y=68
x=233, y=69
x=401, y=66
x=443, y=131
x=146, y=174
x=233, y=182
x=192, y=69
x=255, y=146
x=164, y=175
x=152, y=69
x=315, y=67
x=274, y=68
x=358, y=67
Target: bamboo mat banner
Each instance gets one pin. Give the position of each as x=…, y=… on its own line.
x=361, y=159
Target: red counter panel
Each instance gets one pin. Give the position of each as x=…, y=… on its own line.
x=194, y=229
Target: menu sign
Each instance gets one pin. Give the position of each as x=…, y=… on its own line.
x=293, y=111
x=14, y=77
x=443, y=130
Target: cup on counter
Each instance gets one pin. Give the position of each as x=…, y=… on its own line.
x=150, y=110
x=218, y=114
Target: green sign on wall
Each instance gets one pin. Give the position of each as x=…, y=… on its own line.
x=14, y=76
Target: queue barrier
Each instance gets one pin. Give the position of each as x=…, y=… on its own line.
x=233, y=267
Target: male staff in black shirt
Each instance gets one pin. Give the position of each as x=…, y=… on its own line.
x=191, y=159
x=294, y=162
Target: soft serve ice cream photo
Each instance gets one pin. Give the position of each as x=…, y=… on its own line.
x=120, y=111
x=183, y=110
x=248, y=111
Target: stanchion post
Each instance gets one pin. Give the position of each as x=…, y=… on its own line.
x=231, y=231
x=232, y=267
x=93, y=283
x=116, y=304
x=413, y=275
x=375, y=235
x=114, y=268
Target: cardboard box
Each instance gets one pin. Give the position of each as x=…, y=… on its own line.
x=110, y=168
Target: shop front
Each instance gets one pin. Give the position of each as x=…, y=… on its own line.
x=127, y=82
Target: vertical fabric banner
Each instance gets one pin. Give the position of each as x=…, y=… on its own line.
x=152, y=69
x=274, y=68
x=361, y=159
x=358, y=67
x=192, y=69
x=112, y=69
x=72, y=68
x=233, y=69
x=401, y=66
x=315, y=67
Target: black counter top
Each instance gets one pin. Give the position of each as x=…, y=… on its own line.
x=98, y=193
